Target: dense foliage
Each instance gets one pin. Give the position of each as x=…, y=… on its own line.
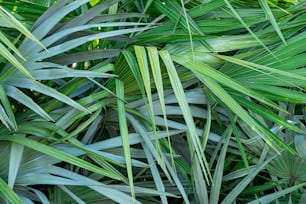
x=152, y=101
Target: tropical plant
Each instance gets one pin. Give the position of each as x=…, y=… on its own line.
x=152, y=101
x=45, y=79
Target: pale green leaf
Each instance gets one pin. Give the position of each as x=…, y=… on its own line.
x=58, y=154
x=27, y=101
x=15, y=161
x=300, y=145
x=124, y=133
x=179, y=92
x=219, y=169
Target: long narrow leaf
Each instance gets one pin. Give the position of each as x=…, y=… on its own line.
x=10, y=45
x=264, y=5
x=7, y=55
x=27, y=101
x=15, y=160
x=144, y=70
x=270, y=138
x=8, y=193
x=217, y=177
x=247, y=27
x=157, y=75
x=68, y=45
x=18, y=25
x=223, y=79
x=260, y=68
x=156, y=175
x=7, y=107
x=273, y=196
x=99, y=187
x=41, y=88
x=72, y=195
x=124, y=133
x=148, y=141
x=300, y=145
x=4, y=118
x=231, y=197
x=179, y=92
x=58, y=154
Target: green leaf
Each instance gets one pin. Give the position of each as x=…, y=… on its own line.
x=58, y=154
x=199, y=182
x=124, y=133
x=145, y=74
x=261, y=68
x=106, y=190
x=206, y=7
x=177, y=13
x=70, y=44
x=219, y=169
x=72, y=195
x=10, y=45
x=300, y=145
x=7, y=107
x=247, y=27
x=13, y=22
x=158, y=80
x=179, y=92
x=155, y=173
x=239, y=144
x=222, y=78
x=133, y=65
x=139, y=128
x=8, y=193
x=273, y=196
x=4, y=118
x=7, y=55
x=265, y=113
x=83, y=125
x=90, y=13
x=231, y=197
x=15, y=161
x=44, y=89
x=177, y=182
x=47, y=21
x=264, y=5
x=272, y=140
x=27, y=101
